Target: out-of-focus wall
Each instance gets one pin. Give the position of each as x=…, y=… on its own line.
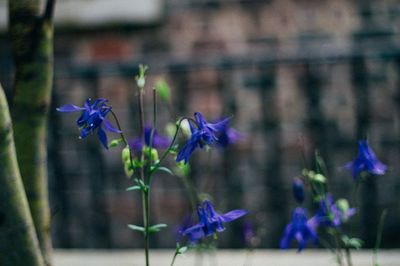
x=296, y=76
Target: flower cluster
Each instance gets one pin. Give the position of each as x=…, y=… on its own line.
x=330, y=214
x=93, y=117
x=210, y=221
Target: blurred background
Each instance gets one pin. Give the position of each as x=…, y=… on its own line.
x=297, y=75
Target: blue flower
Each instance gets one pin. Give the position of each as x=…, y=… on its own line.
x=366, y=161
x=203, y=133
x=210, y=221
x=228, y=136
x=298, y=189
x=158, y=141
x=331, y=214
x=300, y=229
x=93, y=117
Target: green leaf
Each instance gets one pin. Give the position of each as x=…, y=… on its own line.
x=133, y=188
x=136, y=228
x=352, y=242
x=163, y=90
x=142, y=185
x=156, y=228
x=165, y=169
x=182, y=250
x=115, y=142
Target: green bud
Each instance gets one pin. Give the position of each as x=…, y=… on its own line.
x=125, y=154
x=153, y=153
x=343, y=205
x=163, y=90
x=128, y=169
x=318, y=178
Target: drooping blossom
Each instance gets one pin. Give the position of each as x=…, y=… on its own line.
x=93, y=117
x=366, y=161
x=210, y=221
x=332, y=214
x=157, y=141
x=299, y=229
x=202, y=134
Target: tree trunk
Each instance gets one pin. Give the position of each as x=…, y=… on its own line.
x=18, y=242
x=31, y=33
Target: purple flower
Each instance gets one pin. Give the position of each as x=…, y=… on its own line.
x=300, y=229
x=332, y=214
x=366, y=161
x=93, y=117
x=228, y=136
x=210, y=221
x=158, y=141
x=298, y=189
x=203, y=133
x=248, y=233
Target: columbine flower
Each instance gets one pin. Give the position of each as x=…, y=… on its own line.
x=157, y=141
x=210, y=221
x=203, y=134
x=93, y=117
x=366, y=161
x=228, y=136
x=332, y=214
x=298, y=189
x=300, y=229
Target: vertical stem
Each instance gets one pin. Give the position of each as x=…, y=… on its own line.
x=348, y=257
x=379, y=237
x=145, y=194
x=339, y=249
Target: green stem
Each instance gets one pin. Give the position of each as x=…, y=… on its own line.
x=145, y=193
x=175, y=255
x=164, y=155
x=348, y=257
x=339, y=249
x=123, y=137
x=379, y=237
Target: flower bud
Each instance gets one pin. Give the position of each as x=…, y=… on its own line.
x=298, y=189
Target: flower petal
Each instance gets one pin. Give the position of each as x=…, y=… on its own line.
x=69, y=108
x=102, y=137
x=110, y=127
x=232, y=215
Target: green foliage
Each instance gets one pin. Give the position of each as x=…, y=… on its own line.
x=163, y=90
x=115, y=142
x=156, y=228
x=352, y=242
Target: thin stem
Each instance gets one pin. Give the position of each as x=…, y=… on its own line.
x=175, y=255
x=123, y=137
x=348, y=257
x=145, y=193
x=164, y=155
x=339, y=249
x=146, y=218
x=379, y=237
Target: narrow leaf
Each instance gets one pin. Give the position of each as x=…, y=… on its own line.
x=156, y=227
x=165, y=169
x=136, y=228
x=133, y=188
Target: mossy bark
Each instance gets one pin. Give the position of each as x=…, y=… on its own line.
x=18, y=242
x=31, y=33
